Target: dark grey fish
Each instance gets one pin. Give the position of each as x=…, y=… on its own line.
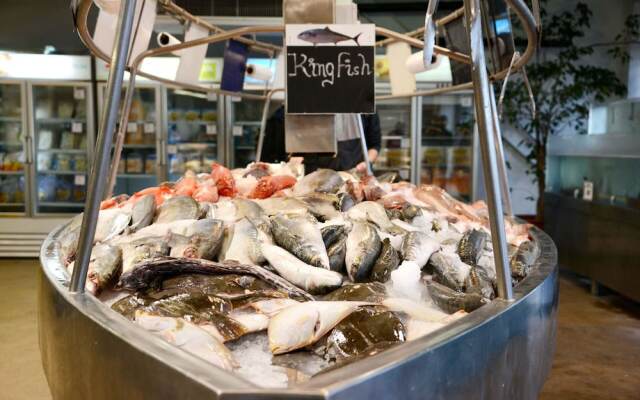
x=451, y=301
x=150, y=274
x=471, y=245
x=387, y=262
x=410, y=211
x=326, y=35
x=478, y=282
x=322, y=205
x=370, y=351
x=345, y=202
x=321, y=180
x=522, y=260
x=337, y=253
x=449, y=270
x=331, y=234
x=143, y=212
x=301, y=237
x=370, y=292
x=363, y=248
x=178, y=208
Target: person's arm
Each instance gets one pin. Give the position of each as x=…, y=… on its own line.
x=373, y=137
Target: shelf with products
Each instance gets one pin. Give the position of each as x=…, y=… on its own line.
x=18, y=172
x=61, y=204
x=60, y=120
x=53, y=172
x=10, y=119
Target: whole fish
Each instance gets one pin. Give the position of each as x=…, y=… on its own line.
x=331, y=234
x=177, y=208
x=478, y=282
x=134, y=254
x=326, y=35
x=311, y=320
x=345, y=201
x=321, y=180
x=244, y=246
x=451, y=300
x=371, y=292
x=150, y=274
x=322, y=205
x=143, y=212
x=449, y=269
x=311, y=279
x=471, y=245
x=272, y=307
x=283, y=205
x=418, y=247
x=363, y=248
x=374, y=213
x=188, y=337
x=157, y=232
x=522, y=259
x=105, y=265
x=300, y=237
x=387, y=262
x=202, y=240
x=337, y=254
x=111, y=223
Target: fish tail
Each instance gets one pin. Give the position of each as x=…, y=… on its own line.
x=355, y=38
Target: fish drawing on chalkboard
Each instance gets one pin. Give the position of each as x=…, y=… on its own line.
x=326, y=35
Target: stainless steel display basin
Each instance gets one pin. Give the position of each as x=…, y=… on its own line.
x=500, y=351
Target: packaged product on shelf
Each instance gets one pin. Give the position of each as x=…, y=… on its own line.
x=19, y=193
x=210, y=116
x=135, y=163
x=122, y=165
x=426, y=176
x=63, y=190
x=176, y=164
x=45, y=140
x=440, y=177
x=434, y=155
x=12, y=133
x=44, y=161
x=65, y=109
x=82, y=142
x=6, y=192
x=67, y=140
x=176, y=115
x=62, y=162
x=47, y=188
x=192, y=115
x=79, y=162
x=150, y=164
x=79, y=193
x=13, y=161
x=137, y=110
x=460, y=155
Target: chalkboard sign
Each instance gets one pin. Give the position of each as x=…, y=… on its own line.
x=330, y=69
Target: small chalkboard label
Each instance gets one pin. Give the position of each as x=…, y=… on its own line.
x=330, y=69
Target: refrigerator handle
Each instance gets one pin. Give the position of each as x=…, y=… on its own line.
x=28, y=150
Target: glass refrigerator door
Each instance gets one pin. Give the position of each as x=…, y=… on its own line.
x=447, y=143
x=192, y=132
x=12, y=149
x=395, y=127
x=62, y=137
x=138, y=167
x=247, y=116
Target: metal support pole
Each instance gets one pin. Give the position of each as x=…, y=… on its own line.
x=363, y=143
x=484, y=119
x=502, y=164
x=98, y=176
x=122, y=129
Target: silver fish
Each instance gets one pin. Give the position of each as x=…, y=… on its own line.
x=374, y=213
x=244, y=246
x=188, y=337
x=326, y=35
x=134, y=254
x=111, y=223
x=321, y=180
x=312, y=320
x=313, y=280
x=105, y=265
x=363, y=248
x=418, y=247
x=143, y=212
x=178, y=208
x=302, y=238
x=322, y=205
x=202, y=240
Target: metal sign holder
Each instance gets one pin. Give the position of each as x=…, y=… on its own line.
x=486, y=113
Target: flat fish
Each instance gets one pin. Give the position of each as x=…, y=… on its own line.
x=188, y=337
x=311, y=279
x=272, y=307
x=451, y=300
x=372, y=292
x=418, y=247
x=177, y=208
x=321, y=180
x=300, y=237
x=387, y=262
x=363, y=248
x=311, y=320
x=374, y=213
x=150, y=274
x=143, y=212
x=450, y=270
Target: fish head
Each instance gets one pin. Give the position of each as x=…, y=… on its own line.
x=282, y=338
x=311, y=36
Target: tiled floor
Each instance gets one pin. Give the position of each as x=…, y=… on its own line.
x=598, y=348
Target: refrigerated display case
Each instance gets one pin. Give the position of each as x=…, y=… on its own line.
x=141, y=158
x=194, y=137
x=397, y=130
x=14, y=158
x=447, y=143
x=62, y=129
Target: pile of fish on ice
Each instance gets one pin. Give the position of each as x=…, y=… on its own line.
x=278, y=276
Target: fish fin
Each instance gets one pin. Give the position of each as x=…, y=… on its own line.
x=355, y=38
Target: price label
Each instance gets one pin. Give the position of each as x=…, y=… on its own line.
x=237, y=130
x=149, y=128
x=212, y=96
x=80, y=180
x=236, y=99
x=76, y=127
x=132, y=127
x=78, y=93
x=212, y=129
x=172, y=149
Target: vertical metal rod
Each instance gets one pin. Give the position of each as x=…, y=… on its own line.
x=98, y=176
x=502, y=164
x=363, y=143
x=122, y=129
x=416, y=140
x=263, y=125
x=487, y=147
